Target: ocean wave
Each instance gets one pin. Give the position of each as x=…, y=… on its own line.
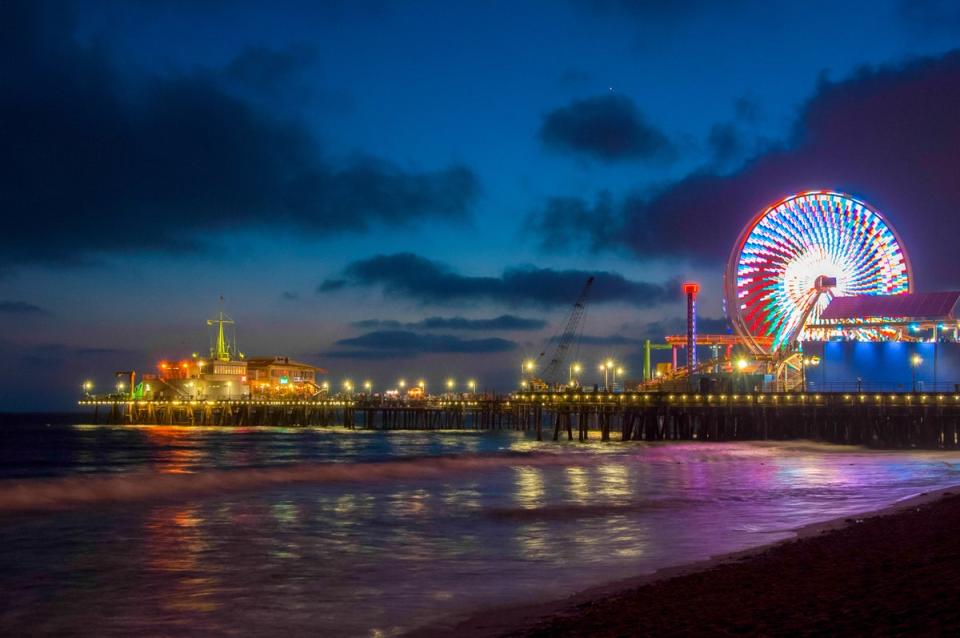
x=53, y=494
x=569, y=511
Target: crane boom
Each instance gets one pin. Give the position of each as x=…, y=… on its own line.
x=553, y=374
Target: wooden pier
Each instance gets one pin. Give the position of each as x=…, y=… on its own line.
x=886, y=420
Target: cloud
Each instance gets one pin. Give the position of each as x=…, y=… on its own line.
x=368, y=355
x=604, y=340
x=607, y=127
x=97, y=159
x=889, y=135
x=930, y=15
x=413, y=343
x=503, y=322
x=20, y=308
x=267, y=71
x=747, y=109
x=288, y=295
x=572, y=221
x=415, y=277
x=726, y=143
x=99, y=352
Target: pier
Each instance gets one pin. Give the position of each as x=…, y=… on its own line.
x=884, y=420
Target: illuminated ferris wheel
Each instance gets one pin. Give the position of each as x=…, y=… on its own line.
x=795, y=256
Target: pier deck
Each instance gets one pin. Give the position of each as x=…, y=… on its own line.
x=890, y=420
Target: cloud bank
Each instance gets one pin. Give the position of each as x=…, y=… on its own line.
x=501, y=323
x=607, y=127
x=431, y=282
x=99, y=159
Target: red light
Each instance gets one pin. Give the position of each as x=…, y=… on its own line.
x=691, y=288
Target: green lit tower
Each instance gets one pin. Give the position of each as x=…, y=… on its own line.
x=221, y=350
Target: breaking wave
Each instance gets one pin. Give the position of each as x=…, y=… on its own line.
x=53, y=494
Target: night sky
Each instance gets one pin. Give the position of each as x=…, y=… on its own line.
x=420, y=189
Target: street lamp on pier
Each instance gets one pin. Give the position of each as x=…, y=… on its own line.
x=741, y=368
x=575, y=369
x=607, y=367
x=528, y=367
x=915, y=362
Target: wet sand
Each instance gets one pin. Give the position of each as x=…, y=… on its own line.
x=892, y=572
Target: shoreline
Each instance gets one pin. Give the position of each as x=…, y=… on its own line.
x=530, y=618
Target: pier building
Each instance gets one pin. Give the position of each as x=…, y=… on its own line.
x=281, y=376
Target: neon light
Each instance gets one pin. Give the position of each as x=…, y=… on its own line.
x=774, y=266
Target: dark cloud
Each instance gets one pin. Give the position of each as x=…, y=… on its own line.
x=332, y=285
x=726, y=143
x=566, y=221
x=368, y=355
x=930, y=15
x=267, y=71
x=889, y=135
x=418, y=278
x=98, y=352
x=604, y=340
x=607, y=127
x=20, y=308
x=405, y=341
x=288, y=295
x=503, y=322
x=747, y=109
x=57, y=355
x=97, y=160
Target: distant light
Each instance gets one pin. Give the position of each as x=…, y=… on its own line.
x=742, y=364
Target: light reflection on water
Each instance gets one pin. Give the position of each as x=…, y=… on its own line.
x=378, y=556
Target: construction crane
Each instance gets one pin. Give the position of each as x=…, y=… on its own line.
x=554, y=373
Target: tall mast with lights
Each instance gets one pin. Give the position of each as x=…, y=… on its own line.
x=221, y=351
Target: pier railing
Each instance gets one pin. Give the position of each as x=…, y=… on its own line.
x=896, y=420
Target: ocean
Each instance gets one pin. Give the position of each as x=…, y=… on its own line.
x=150, y=531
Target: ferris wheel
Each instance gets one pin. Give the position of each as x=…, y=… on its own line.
x=795, y=256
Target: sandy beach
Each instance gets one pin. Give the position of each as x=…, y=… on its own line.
x=891, y=572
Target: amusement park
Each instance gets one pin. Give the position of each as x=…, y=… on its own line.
x=820, y=296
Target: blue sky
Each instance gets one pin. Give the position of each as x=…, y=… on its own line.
x=164, y=155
